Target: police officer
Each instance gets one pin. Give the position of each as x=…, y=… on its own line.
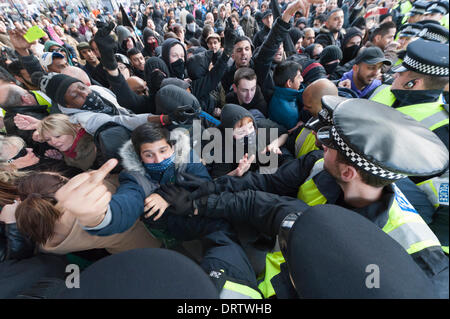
x=434, y=32
x=407, y=33
x=315, y=272
x=364, y=154
x=418, y=86
x=438, y=11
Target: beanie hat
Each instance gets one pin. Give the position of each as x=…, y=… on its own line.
x=330, y=53
x=351, y=32
x=55, y=86
x=296, y=34
x=312, y=71
x=300, y=21
x=359, y=22
x=189, y=18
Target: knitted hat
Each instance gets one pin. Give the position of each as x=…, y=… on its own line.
x=301, y=20
x=359, y=22
x=55, y=86
x=330, y=53
x=312, y=71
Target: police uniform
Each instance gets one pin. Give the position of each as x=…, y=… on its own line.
x=439, y=7
x=409, y=30
x=305, y=141
x=429, y=58
x=418, y=8
x=434, y=32
x=366, y=139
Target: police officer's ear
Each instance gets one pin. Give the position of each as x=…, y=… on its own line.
x=347, y=172
x=410, y=84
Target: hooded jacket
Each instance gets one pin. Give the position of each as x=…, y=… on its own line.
x=69, y=50
x=204, y=81
x=127, y=204
x=165, y=53
x=283, y=107
x=122, y=34
x=147, y=50
x=326, y=38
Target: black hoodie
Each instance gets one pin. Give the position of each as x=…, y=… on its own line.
x=165, y=53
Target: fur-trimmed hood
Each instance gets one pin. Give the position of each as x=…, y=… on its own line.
x=181, y=145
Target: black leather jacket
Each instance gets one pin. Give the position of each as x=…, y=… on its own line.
x=13, y=245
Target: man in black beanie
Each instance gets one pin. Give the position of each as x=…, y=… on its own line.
x=351, y=44
x=330, y=58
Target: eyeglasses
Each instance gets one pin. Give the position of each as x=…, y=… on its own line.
x=21, y=153
x=55, y=50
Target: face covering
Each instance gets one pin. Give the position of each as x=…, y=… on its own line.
x=330, y=68
x=156, y=78
x=191, y=27
x=178, y=68
x=162, y=166
x=95, y=103
x=152, y=46
x=349, y=53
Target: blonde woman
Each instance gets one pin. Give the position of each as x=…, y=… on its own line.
x=71, y=140
x=14, y=154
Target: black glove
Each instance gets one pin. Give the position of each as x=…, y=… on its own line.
x=200, y=186
x=230, y=38
x=178, y=197
x=106, y=45
x=183, y=114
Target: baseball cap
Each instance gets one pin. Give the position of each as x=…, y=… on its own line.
x=372, y=55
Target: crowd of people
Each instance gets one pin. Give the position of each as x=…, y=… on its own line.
x=225, y=149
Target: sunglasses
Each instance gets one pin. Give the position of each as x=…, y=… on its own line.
x=23, y=152
x=55, y=50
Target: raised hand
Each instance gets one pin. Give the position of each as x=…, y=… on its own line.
x=26, y=122
x=86, y=196
x=18, y=41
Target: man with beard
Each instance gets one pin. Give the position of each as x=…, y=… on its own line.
x=331, y=34
x=363, y=77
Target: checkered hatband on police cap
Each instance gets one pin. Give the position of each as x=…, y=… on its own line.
x=420, y=67
x=361, y=162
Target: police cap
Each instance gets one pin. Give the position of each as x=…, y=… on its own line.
x=383, y=141
x=425, y=57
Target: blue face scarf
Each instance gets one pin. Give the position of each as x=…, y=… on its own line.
x=162, y=166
